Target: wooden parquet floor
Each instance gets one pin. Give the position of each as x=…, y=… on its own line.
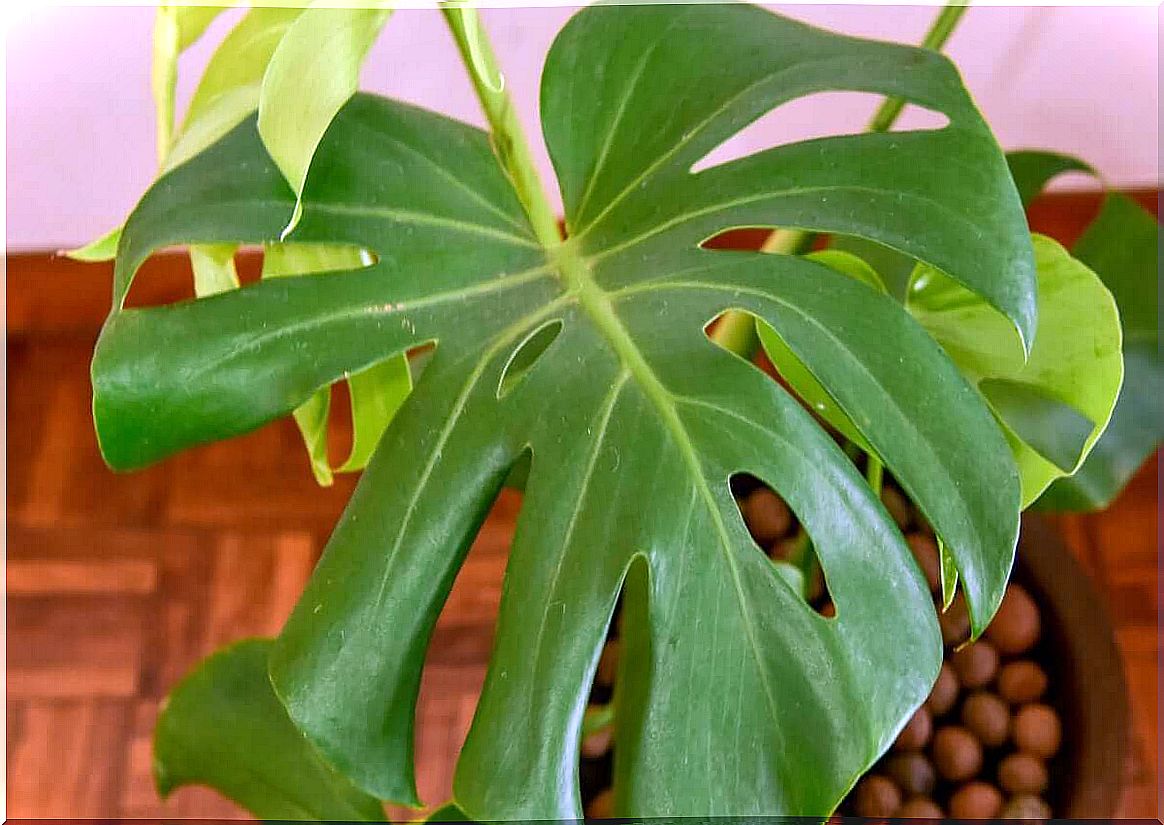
x=117, y=584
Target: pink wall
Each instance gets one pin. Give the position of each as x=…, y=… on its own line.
x=80, y=122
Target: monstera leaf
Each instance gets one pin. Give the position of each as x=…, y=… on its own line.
x=590, y=355
x=223, y=726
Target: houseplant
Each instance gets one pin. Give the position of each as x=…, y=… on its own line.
x=578, y=367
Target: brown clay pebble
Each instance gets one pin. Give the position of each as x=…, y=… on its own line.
x=607, y=664
x=945, y=691
x=1015, y=628
x=955, y=622
x=898, y=507
x=1021, y=681
x=912, y=772
x=1021, y=773
x=1037, y=730
x=601, y=806
x=920, y=808
x=957, y=754
x=925, y=550
x=976, y=800
x=598, y=743
x=987, y=717
x=975, y=664
x=1026, y=806
x=766, y=514
x=877, y=796
x=916, y=733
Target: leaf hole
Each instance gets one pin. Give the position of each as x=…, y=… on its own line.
x=525, y=355
x=814, y=117
x=780, y=534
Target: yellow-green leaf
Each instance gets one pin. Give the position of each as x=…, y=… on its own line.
x=376, y=392
x=214, y=270
x=229, y=89
x=1073, y=373
x=313, y=72
x=100, y=249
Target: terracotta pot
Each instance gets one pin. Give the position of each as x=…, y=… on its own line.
x=1088, y=683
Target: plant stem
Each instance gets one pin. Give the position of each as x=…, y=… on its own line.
x=735, y=331
x=874, y=471
x=509, y=141
x=939, y=32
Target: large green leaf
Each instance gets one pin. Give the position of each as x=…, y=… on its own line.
x=223, y=726
x=1056, y=403
x=1122, y=246
x=746, y=700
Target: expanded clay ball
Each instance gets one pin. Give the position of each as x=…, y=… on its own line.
x=1021, y=681
x=955, y=622
x=1026, y=806
x=912, y=772
x=876, y=796
x=1015, y=628
x=945, y=691
x=925, y=550
x=917, y=731
x=1021, y=773
x=766, y=514
x=601, y=806
x=920, y=808
x=976, y=800
x=1037, y=730
x=987, y=717
x=975, y=664
x=607, y=664
x=957, y=754
x=898, y=507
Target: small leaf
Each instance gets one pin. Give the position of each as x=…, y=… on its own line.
x=793, y=370
x=949, y=574
x=100, y=249
x=313, y=72
x=376, y=394
x=222, y=726
x=1050, y=427
x=1122, y=246
x=176, y=28
x=214, y=270
x=1074, y=370
x=311, y=417
x=229, y=89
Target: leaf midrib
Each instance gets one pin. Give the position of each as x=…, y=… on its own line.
x=596, y=304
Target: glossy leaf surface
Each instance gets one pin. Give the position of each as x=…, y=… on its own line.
x=1056, y=403
x=747, y=701
x=223, y=726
